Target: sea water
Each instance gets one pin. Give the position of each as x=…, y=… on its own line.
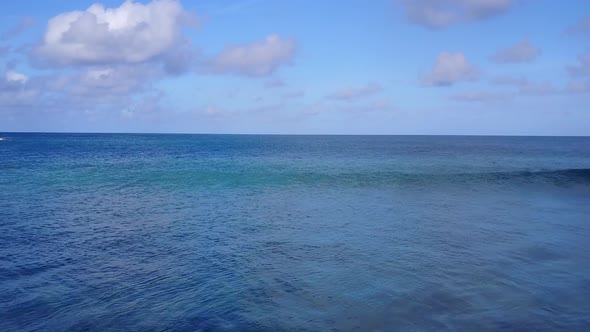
x=129, y=232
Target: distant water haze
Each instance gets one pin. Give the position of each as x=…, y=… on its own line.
x=267, y=233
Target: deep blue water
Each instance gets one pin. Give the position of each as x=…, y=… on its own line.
x=270, y=233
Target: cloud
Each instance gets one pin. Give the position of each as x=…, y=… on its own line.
x=294, y=94
x=12, y=76
x=582, y=27
x=582, y=68
x=526, y=87
x=437, y=14
x=538, y=88
x=521, y=52
x=132, y=33
x=17, y=90
x=578, y=86
x=349, y=94
x=214, y=111
x=450, y=68
x=102, y=82
x=530, y=88
x=105, y=59
x=261, y=58
x=4, y=50
x=147, y=107
x=377, y=105
x=481, y=96
x=274, y=83
x=24, y=24
x=369, y=106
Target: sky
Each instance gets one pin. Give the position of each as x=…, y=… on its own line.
x=458, y=67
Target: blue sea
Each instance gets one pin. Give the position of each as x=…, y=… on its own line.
x=153, y=232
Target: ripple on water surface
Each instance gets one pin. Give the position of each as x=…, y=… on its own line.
x=222, y=233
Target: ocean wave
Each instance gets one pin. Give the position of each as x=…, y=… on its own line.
x=360, y=178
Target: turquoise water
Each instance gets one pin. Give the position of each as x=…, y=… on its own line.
x=122, y=232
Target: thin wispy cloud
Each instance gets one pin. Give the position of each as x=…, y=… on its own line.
x=293, y=94
x=578, y=86
x=438, y=14
x=538, y=88
x=521, y=52
x=349, y=94
x=479, y=96
x=580, y=28
x=509, y=80
x=525, y=87
x=274, y=83
x=582, y=68
x=23, y=25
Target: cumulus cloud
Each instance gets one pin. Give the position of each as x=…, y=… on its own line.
x=103, y=58
x=131, y=33
x=582, y=27
x=521, y=52
x=24, y=24
x=349, y=94
x=257, y=59
x=450, y=68
x=480, y=96
x=437, y=14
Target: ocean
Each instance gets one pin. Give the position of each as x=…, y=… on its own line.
x=166, y=232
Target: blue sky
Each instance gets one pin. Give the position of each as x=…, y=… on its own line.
x=501, y=67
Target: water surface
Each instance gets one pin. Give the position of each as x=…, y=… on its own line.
x=130, y=232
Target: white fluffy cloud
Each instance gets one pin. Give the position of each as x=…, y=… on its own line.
x=257, y=59
x=450, y=68
x=131, y=33
x=521, y=52
x=436, y=14
x=348, y=94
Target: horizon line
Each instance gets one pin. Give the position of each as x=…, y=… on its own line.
x=277, y=134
